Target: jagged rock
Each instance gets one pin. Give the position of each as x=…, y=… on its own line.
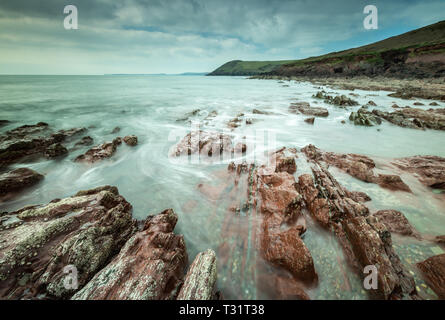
x=31, y=140
x=149, y=267
x=131, y=140
x=84, y=231
x=364, y=118
x=199, y=283
x=341, y=100
x=203, y=142
x=115, y=130
x=17, y=180
x=414, y=118
x=55, y=150
x=364, y=240
x=310, y=120
x=396, y=222
x=358, y=166
x=188, y=115
x=430, y=170
x=100, y=152
x=306, y=109
x=433, y=270
x=85, y=141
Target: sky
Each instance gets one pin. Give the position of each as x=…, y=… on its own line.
x=175, y=36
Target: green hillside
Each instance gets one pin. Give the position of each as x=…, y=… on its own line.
x=426, y=40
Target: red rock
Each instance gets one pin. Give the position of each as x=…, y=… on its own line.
x=149, y=267
x=392, y=182
x=430, y=170
x=396, y=222
x=433, y=270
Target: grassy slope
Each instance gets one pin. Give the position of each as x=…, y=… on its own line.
x=429, y=35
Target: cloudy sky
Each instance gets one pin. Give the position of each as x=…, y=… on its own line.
x=174, y=36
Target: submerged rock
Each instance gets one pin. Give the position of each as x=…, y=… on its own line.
x=310, y=120
x=306, y=109
x=55, y=150
x=131, y=140
x=358, y=166
x=200, y=281
x=149, y=267
x=17, y=180
x=396, y=222
x=100, y=152
x=85, y=141
x=84, y=231
x=433, y=270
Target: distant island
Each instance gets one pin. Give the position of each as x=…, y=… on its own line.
x=416, y=54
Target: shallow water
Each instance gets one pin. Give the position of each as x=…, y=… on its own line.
x=148, y=106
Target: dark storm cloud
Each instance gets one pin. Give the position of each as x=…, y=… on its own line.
x=180, y=35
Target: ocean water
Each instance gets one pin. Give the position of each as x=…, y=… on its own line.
x=149, y=107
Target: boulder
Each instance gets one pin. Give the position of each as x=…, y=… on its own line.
x=306, y=109
x=149, y=267
x=433, y=270
x=310, y=120
x=84, y=231
x=131, y=140
x=100, y=152
x=17, y=180
x=55, y=150
x=202, y=142
x=200, y=281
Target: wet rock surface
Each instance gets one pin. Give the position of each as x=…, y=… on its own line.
x=364, y=118
x=100, y=152
x=306, y=109
x=358, y=166
x=203, y=142
x=341, y=100
x=16, y=180
x=85, y=230
x=433, y=270
x=131, y=140
x=414, y=118
x=364, y=240
x=150, y=266
x=396, y=222
x=33, y=140
x=200, y=281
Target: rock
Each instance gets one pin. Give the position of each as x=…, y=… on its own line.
x=363, y=239
x=4, y=122
x=414, y=118
x=131, y=140
x=100, y=152
x=17, y=180
x=418, y=104
x=341, y=100
x=31, y=140
x=200, y=281
x=309, y=120
x=283, y=161
x=440, y=239
x=430, y=170
x=358, y=166
x=343, y=121
x=364, y=118
x=306, y=109
x=85, y=141
x=434, y=104
x=234, y=123
x=55, y=150
x=115, y=130
x=188, y=115
x=149, y=267
x=84, y=231
x=203, y=142
x=433, y=270
x=240, y=148
x=395, y=106
x=396, y=222
x=256, y=111
x=371, y=103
